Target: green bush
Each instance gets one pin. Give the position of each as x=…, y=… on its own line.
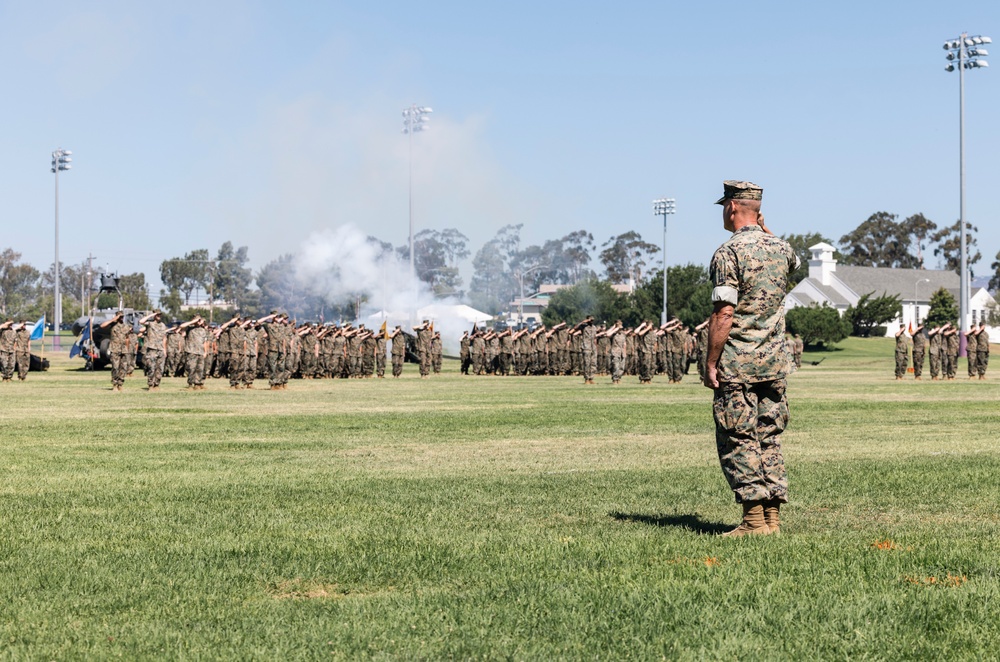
x=818, y=325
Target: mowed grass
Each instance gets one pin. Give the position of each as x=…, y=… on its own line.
x=512, y=518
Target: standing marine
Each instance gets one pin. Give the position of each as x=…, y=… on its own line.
x=747, y=358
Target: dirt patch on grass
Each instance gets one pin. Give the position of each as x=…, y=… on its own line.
x=310, y=589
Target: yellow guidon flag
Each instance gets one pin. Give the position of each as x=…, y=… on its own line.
x=382, y=330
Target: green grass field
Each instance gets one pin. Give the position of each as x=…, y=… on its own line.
x=511, y=518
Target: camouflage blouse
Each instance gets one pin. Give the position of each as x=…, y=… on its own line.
x=750, y=272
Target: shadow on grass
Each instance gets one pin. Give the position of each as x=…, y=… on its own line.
x=691, y=522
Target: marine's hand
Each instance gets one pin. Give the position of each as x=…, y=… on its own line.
x=711, y=378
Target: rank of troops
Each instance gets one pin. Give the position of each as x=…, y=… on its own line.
x=15, y=349
x=941, y=347
x=587, y=349
x=274, y=347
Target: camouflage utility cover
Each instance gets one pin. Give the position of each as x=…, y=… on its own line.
x=750, y=272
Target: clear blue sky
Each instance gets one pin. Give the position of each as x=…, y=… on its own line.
x=263, y=122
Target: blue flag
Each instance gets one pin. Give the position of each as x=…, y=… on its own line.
x=77, y=347
x=38, y=329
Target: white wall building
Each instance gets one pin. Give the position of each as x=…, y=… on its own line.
x=841, y=286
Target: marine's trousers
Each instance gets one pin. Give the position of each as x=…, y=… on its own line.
x=749, y=420
x=119, y=366
x=7, y=362
x=23, y=360
x=152, y=363
x=195, y=366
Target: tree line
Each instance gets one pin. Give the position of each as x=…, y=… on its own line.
x=502, y=269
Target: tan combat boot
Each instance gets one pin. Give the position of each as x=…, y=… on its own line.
x=753, y=521
x=771, y=517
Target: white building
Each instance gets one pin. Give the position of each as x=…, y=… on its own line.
x=841, y=286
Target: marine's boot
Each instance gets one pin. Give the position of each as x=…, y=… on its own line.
x=771, y=518
x=753, y=521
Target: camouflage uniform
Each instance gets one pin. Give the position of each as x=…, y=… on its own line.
x=368, y=356
x=175, y=352
x=221, y=367
x=902, y=354
x=589, y=352
x=506, y=353
x=120, y=349
x=750, y=272
x=702, y=351
x=153, y=354
x=463, y=353
x=380, y=347
x=252, y=353
x=477, y=352
x=195, y=355
x=424, y=348
x=236, y=365
x=950, y=348
x=919, y=349
x=982, y=352
x=437, y=353
x=971, y=350
x=276, y=349
x=22, y=352
x=618, y=342
x=934, y=343
x=338, y=358
x=677, y=342
x=8, y=348
x=398, y=352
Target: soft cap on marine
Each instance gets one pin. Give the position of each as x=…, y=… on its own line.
x=735, y=190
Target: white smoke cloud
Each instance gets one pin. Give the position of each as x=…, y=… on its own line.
x=341, y=263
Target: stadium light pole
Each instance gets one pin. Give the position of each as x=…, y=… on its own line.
x=61, y=159
x=663, y=207
x=415, y=119
x=964, y=52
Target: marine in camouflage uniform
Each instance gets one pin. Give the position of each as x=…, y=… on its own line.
x=971, y=350
x=919, y=350
x=120, y=348
x=424, y=332
x=196, y=352
x=677, y=342
x=221, y=366
x=950, y=348
x=175, y=350
x=588, y=347
x=506, y=352
x=253, y=353
x=308, y=352
x=398, y=350
x=276, y=348
x=617, y=335
x=437, y=352
x=982, y=350
x=238, y=358
x=748, y=360
x=154, y=349
x=380, y=349
x=8, y=349
x=22, y=350
x=934, y=341
x=902, y=353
